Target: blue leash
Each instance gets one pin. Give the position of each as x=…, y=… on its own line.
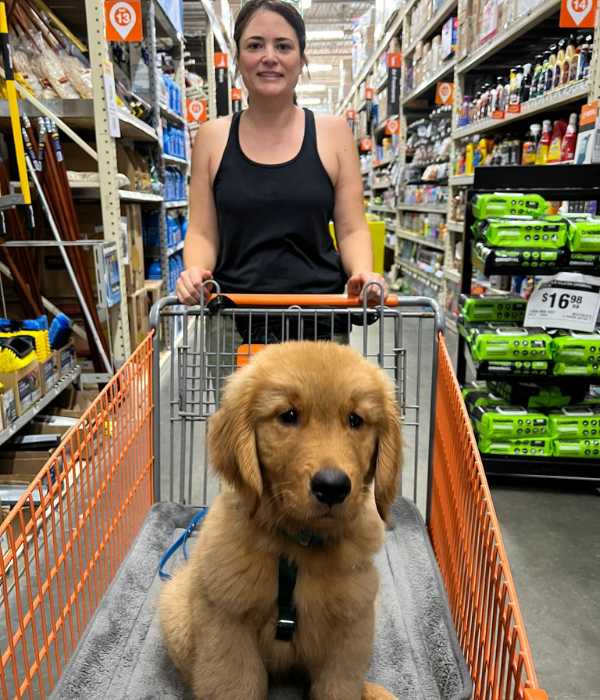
x=181, y=541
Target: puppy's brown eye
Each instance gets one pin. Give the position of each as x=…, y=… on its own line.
x=289, y=417
x=355, y=421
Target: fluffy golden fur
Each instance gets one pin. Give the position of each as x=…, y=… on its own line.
x=219, y=611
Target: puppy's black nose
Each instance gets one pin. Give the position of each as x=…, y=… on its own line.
x=330, y=486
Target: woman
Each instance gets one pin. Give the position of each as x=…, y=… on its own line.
x=266, y=183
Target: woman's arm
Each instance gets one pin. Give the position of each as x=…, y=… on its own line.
x=351, y=228
x=202, y=239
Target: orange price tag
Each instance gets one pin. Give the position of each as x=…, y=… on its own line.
x=394, y=60
x=444, y=92
x=196, y=110
x=392, y=126
x=123, y=20
x=220, y=60
x=577, y=14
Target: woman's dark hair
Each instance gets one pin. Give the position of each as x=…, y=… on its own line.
x=289, y=13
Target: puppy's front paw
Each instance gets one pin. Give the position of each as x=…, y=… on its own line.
x=372, y=691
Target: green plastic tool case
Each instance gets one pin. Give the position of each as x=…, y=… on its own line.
x=575, y=422
x=509, y=422
x=523, y=232
x=492, y=309
x=510, y=344
x=487, y=206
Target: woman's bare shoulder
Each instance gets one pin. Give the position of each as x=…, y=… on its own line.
x=334, y=128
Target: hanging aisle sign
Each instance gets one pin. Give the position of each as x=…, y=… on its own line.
x=567, y=300
x=394, y=63
x=123, y=20
x=196, y=110
x=236, y=100
x=222, y=80
x=351, y=118
x=578, y=14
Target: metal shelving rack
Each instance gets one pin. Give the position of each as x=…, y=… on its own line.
x=466, y=60
x=560, y=183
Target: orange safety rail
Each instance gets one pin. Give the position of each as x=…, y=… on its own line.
x=468, y=545
x=63, y=542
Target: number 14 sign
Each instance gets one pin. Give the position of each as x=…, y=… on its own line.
x=567, y=300
x=579, y=14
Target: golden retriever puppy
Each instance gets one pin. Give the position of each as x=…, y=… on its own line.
x=282, y=579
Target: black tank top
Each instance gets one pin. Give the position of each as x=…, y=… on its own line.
x=273, y=221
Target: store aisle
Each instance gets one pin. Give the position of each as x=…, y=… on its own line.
x=553, y=544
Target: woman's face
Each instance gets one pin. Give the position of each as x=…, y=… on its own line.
x=269, y=58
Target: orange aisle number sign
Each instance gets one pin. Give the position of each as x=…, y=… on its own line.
x=196, y=110
x=578, y=14
x=123, y=20
x=444, y=92
x=392, y=126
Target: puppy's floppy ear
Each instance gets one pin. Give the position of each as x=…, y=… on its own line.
x=231, y=439
x=389, y=457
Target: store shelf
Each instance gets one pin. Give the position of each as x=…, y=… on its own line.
x=384, y=186
x=174, y=160
x=421, y=240
x=393, y=29
x=23, y=420
x=452, y=276
x=456, y=226
x=553, y=100
x=552, y=468
x=430, y=82
x=379, y=208
x=84, y=191
x=172, y=116
x=544, y=9
x=432, y=24
x=425, y=208
x=79, y=114
x=383, y=163
x=461, y=180
x=419, y=274
x=180, y=204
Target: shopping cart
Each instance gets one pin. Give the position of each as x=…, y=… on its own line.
x=80, y=548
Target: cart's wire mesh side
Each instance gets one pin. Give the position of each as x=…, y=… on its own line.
x=468, y=545
x=209, y=345
x=64, y=540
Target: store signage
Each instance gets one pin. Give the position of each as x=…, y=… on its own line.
x=236, y=100
x=567, y=300
x=365, y=145
x=444, y=92
x=123, y=20
x=222, y=81
x=578, y=14
x=394, y=63
x=196, y=111
x=392, y=127
x=351, y=118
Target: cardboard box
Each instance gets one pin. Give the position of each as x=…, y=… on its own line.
x=8, y=407
x=139, y=323
x=26, y=385
x=134, y=270
x=50, y=373
x=66, y=358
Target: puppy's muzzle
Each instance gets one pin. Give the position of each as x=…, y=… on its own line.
x=330, y=486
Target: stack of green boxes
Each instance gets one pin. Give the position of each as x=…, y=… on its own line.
x=524, y=418
x=515, y=231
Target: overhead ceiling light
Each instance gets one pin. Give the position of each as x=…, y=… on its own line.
x=324, y=34
x=311, y=87
x=319, y=67
x=309, y=101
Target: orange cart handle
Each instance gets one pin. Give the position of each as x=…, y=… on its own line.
x=335, y=300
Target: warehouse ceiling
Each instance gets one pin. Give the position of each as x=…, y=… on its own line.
x=320, y=91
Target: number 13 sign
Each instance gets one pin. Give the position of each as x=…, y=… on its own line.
x=579, y=14
x=123, y=20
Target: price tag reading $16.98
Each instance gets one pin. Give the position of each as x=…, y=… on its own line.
x=568, y=300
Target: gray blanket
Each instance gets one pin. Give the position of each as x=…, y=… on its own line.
x=416, y=653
